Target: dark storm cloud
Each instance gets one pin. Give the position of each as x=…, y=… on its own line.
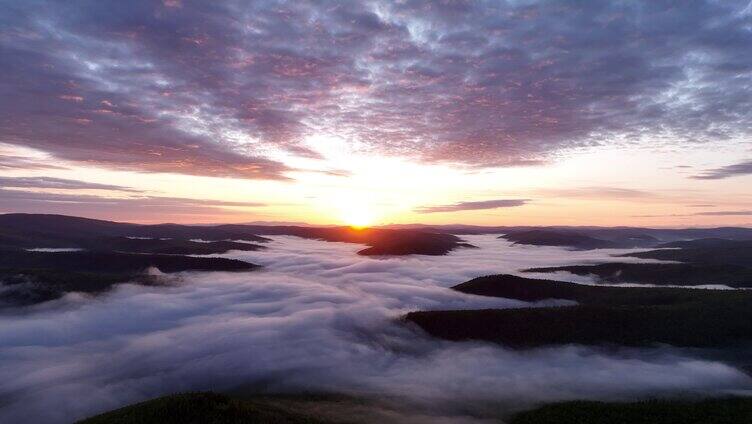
x=471, y=206
x=59, y=183
x=743, y=168
x=211, y=88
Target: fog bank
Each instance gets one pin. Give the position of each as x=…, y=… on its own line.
x=317, y=317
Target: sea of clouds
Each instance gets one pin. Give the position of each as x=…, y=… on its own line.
x=317, y=317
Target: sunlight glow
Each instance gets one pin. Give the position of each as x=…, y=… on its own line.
x=352, y=208
x=356, y=215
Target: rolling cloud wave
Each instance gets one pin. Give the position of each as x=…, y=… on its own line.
x=318, y=317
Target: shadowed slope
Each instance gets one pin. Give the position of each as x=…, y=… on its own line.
x=113, y=262
x=702, y=261
x=681, y=274
x=710, y=411
x=720, y=252
x=169, y=246
x=202, y=408
x=605, y=315
x=33, y=277
x=544, y=237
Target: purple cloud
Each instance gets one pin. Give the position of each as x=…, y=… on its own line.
x=59, y=183
x=708, y=213
x=12, y=162
x=743, y=168
x=134, y=207
x=725, y=213
x=213, y=88
x=471, y=206
x=596, y=192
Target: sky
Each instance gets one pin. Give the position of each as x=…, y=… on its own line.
x=371, y=112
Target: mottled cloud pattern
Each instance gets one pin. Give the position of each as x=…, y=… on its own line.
x=217, y=88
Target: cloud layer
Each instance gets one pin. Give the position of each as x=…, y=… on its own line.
x=58, y=183
x=738, y=169
x=725, y=213
x=472, y=206
x=31, y=195
x=319, y=317
x=215, y=88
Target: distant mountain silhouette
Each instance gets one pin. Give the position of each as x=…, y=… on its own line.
x=218, y=408
x=704, y=251
x=29, y=231
x=37, y=230
x=626, y=316
x=382, y=241
x=40, y=230
x=167, y=246
x=207, y=407
x=707, y=243
x=700, y=262
x=558, y=238
x=680, y=274
x=33, y=277
x=115, y=262
x=624, y=236
x=714, y=410
x=114, y=252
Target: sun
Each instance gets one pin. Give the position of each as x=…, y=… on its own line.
x=357, y=216
x=355, y=209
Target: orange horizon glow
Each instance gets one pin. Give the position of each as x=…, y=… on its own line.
x=383, y=190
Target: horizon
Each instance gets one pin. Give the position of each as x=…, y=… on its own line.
x=371, y=113
x=385, y=225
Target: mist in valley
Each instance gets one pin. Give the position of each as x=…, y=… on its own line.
x=319, y=318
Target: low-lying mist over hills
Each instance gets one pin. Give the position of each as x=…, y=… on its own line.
x=126, y=313
x=48, y=255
